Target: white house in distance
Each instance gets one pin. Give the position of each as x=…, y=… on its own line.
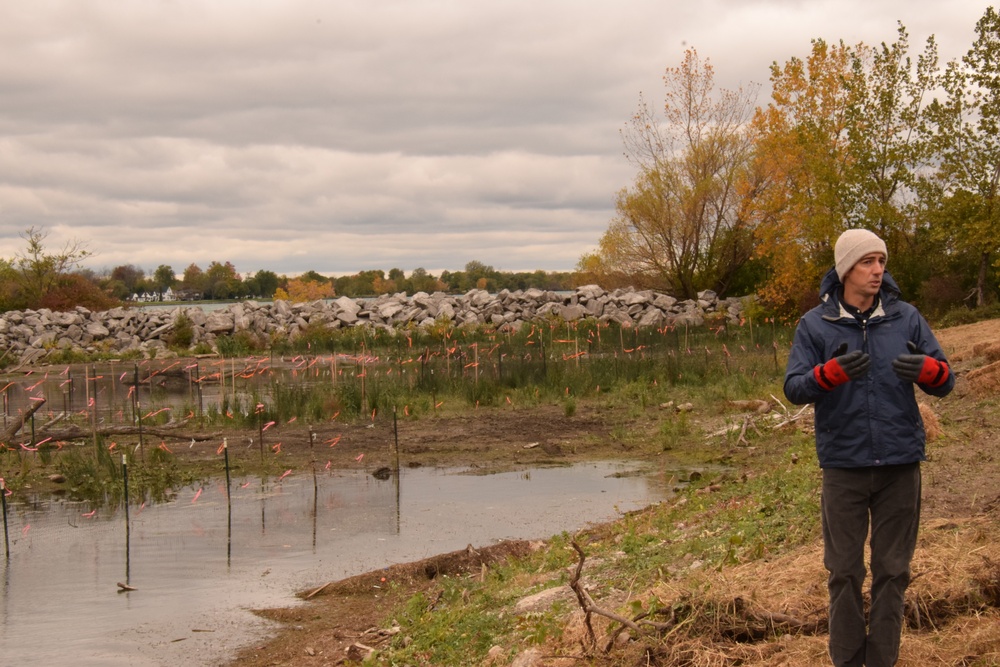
x=147, y=297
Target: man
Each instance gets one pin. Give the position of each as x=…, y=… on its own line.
x=857, y=356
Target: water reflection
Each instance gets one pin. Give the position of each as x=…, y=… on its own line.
x=200, y=562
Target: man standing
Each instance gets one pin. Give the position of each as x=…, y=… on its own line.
x=857, y=356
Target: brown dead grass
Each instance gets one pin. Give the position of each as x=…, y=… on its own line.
x=768, y=613
x=974, y=352
x=985, y=380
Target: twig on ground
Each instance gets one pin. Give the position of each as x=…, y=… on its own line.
x=590, y=607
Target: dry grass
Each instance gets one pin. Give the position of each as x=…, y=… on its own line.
x=985, y=380
x=932, y=425
x=774, y=613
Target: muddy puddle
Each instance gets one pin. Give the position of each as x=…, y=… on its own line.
x=199, y=563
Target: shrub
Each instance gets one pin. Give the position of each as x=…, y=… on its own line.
x=183, y=332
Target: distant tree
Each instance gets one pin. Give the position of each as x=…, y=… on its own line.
x=301, y=290
x=360, y=284
x=311, y=276
x=451, y=280
x=8, y=286
x=163, y=279
x=76, y=289
x=194, y=279
x=421, y=281
x=222, y=281
x=262, y=284
x=37, y=271
x=479, y=276
x=126, y=280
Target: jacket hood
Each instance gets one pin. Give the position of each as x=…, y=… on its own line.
x=831, y=283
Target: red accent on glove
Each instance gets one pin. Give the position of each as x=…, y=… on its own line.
x=830, y=375
x=934, y=373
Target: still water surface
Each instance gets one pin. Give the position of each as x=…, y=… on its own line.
x=198, y=566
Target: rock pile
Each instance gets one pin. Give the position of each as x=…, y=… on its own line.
x=31, y=335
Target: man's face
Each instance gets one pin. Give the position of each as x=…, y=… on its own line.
x=865, y=277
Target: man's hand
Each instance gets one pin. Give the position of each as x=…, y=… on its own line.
x=920, y=368
x=842, y=368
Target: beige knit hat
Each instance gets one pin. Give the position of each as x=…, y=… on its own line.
x=852, y=246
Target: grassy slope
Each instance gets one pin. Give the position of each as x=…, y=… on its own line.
x=733, y=563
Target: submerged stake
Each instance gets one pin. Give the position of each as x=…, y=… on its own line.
x=3, y=502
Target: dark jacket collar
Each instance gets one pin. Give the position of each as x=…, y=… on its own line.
x=830, y=289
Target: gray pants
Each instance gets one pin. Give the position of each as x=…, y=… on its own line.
x=890, y=497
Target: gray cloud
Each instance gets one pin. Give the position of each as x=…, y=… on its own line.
x=339, y=136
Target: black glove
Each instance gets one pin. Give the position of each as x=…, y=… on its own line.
x=842, y=368
x=920, y=368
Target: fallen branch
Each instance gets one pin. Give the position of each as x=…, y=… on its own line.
x=590, y=607
x=318, y=590
x=794, y=418
x=165, y=432
x=775, y=618
x=18, y=424
x=776, y=400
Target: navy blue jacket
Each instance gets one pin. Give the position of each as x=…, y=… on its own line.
x=874, y=420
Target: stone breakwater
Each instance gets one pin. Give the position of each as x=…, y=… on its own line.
x=31, y=335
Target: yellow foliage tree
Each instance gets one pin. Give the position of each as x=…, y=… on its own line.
x=839, y=145
x=301, y=291
x=681, y=226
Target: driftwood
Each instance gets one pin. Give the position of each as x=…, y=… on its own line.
x=751, y=420
x=167, y=431
x=74, y=432
x=318, y=590
x=18, y=424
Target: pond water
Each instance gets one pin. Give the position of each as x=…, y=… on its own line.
x=198, y=564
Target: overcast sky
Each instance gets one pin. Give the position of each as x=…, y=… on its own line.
x=339, y=136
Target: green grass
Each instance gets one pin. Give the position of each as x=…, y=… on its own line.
x=763, y=501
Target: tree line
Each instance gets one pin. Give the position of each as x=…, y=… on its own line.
x=746, y=198
x=41, y=277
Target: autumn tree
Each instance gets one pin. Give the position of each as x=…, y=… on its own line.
x=682, y=226
x=38, y=271
x=222, y=281
x=193, y=279
x=838, y=147
x=965, y=126
x=77, y=289
x=360, y=284
x=801, y=149
x=126, y=280
x=308, y=287
x=888, y=95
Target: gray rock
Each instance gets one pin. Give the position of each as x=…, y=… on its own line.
x=571, y=313
x=31, y=333
x=97, y=330
x=219, y=322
